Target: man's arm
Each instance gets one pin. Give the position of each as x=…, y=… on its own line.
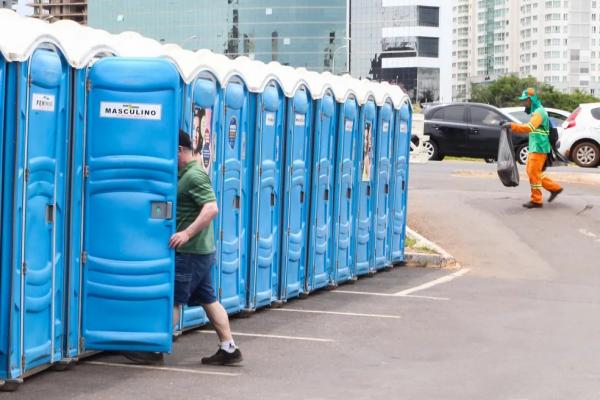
x=525, y=129
x=207, y=214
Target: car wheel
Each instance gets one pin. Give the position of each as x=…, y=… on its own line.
x=522, y=153
x=586, y=154
x=431, y=149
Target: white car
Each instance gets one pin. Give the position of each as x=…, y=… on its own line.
x=580, y=139
x=558, y=117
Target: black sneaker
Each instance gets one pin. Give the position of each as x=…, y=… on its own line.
x=144, y=357
x=554, y=194
x=531, y=204
x=221, y=357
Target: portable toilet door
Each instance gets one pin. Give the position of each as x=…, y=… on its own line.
x=343, y=209
x=200, y=120
x=35, y=251
x=294, y=227
x=5, y=275
x=364, y=181
x=266, y=204
x=399, y=196
x=233, y=184
x=382, y=161
x=319, y=270
x=130, y=192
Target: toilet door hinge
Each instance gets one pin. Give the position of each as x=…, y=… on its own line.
x=27, y=172
x=220, y=293
x=81, y=344
x=23, y=360
x=29, y=80
x=24, y=268
x=83, y=257
x=221, y=235
x=88, y=85
x=86, y=171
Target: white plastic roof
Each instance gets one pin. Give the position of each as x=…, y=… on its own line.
x=20, y=36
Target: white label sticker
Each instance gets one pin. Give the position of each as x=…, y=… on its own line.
x=130, y=111
x=403, y=127
x=386, y=126
x=270, y=119
x=42, y=102
x=349, y=125
x=300, y=120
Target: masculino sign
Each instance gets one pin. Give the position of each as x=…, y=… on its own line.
x=130, y=111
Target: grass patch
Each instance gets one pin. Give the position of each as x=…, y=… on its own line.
x=449, y=158
x=411, y=243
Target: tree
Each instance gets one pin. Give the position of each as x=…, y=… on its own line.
x=505, y=92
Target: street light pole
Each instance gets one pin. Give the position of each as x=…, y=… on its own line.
x=187, y=39
x=335, y=51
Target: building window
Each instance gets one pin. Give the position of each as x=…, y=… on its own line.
x=428, y=16
x=428, y=46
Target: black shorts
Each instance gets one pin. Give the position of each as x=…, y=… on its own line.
x=193, y=279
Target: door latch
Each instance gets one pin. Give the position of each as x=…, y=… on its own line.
x=50, y=214
x=161, y=210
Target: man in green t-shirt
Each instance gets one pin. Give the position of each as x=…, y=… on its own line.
x=194, y=243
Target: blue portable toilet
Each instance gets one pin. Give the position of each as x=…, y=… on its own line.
x=296, y=192
x=266, y=200
x=33, y=231
x=343, y=208
x=383, y=171
x=364, y=182
x=201, y=120
x=320, y=222
x=234, y=193
x=132, y=116
x=399, y=187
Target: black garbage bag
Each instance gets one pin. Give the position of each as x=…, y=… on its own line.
x=555, y=159
x=507, y=164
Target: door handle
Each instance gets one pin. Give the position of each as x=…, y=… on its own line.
x=326, y=195
x=368, y=190
x=50, y=214
x=474, y=130
x=302, y=197
x=236, y=202
x=272, y=199
x=436, y=127
x=349, y=193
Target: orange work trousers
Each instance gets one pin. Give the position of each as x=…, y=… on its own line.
x=537, y=179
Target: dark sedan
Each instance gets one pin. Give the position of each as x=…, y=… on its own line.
x=468, y=130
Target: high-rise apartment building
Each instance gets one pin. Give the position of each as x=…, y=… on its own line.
x=482, y=44
x=404, y=41
x=555, y=41
x=52, y=10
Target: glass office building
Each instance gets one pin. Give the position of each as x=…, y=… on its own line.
x=299, y=33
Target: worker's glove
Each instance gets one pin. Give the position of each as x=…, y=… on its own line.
x=505, y=124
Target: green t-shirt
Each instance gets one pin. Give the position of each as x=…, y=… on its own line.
x=193, y=191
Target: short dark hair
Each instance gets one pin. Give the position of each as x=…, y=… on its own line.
x=184, y=139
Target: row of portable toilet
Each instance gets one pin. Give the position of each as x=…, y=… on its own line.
x=311, y=191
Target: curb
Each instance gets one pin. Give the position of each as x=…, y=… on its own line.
x=441, y=260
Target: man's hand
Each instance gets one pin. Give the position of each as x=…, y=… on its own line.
x=505, y=124
x=179, y=239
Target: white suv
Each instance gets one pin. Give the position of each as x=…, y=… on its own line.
x=580, y=138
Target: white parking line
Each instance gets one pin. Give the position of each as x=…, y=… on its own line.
x=348, y=314
x=433, y=283
x=260, y=335
x=389, y=295
x=166, y=369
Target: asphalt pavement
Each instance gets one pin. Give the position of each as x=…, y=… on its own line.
x=518, y=321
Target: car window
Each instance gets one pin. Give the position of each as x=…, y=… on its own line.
x=521, y=116
x=556, y=118
x=596, y=112
x=437, y=114
x=454, y=114
x=485, y=116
